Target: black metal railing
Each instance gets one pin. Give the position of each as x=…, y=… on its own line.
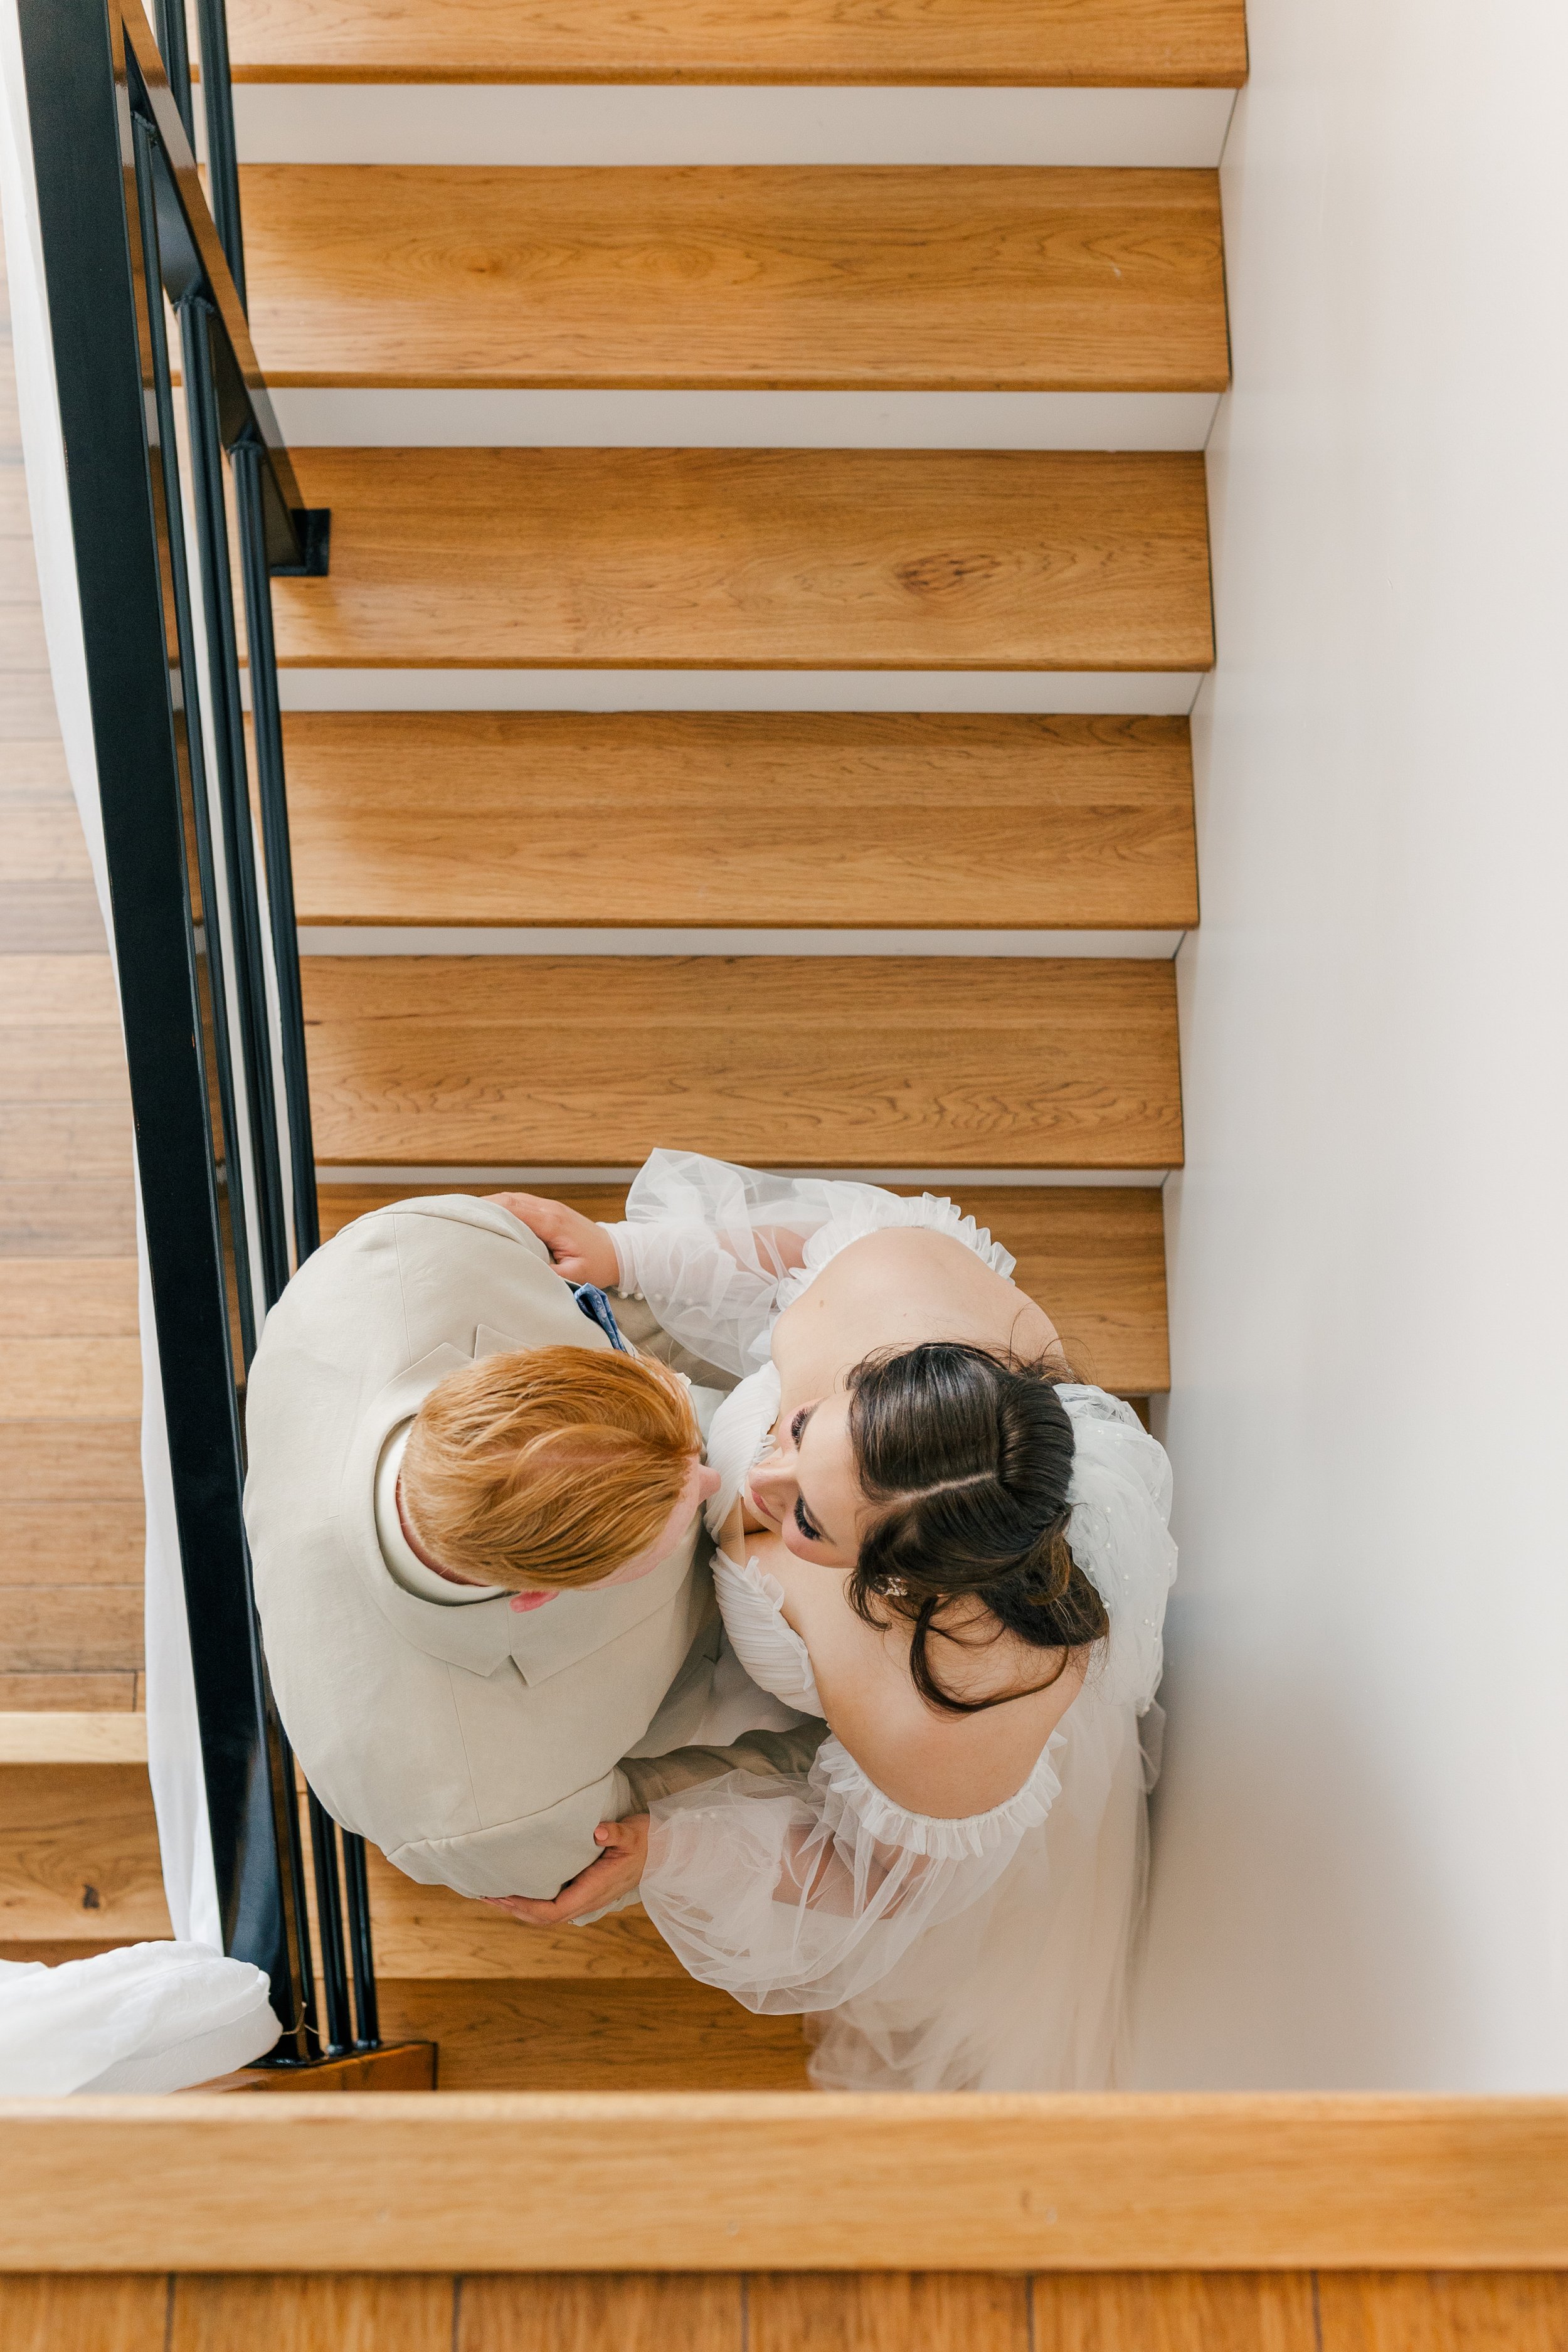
x=203, y=916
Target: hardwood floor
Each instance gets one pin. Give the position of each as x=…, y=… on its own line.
x=868, y=2311
x=70, y=1537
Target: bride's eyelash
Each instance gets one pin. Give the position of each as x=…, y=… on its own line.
x=812, y=1535
x=798, y=1423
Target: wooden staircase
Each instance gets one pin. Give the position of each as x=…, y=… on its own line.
x=822, y=803
x=675, y=790
x=806, y=729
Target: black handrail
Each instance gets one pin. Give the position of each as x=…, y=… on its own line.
x=125, y=225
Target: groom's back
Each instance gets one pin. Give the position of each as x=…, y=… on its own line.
x=474, y=1743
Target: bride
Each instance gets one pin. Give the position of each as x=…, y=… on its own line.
x=931, y=1538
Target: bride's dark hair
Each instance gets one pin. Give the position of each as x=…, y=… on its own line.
x=965, y=1458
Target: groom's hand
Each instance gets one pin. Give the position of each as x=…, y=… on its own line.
x=618, y=1871
x=580, y=1251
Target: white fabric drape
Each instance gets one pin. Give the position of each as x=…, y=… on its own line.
x=173, y=1745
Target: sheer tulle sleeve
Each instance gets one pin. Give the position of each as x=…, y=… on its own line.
x=708, y=1244
x=718, y=1250
x=805, y=1894
x=799, y=1897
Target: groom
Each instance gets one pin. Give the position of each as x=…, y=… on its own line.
x=477, y=1664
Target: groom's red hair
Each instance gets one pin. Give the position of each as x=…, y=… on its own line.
x=553, y=1466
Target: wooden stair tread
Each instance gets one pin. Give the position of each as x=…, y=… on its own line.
x=742, y=817
x=833, y=559
x=1093, y=1254
x=816, y=1061
x=1127, y=43
x=856, y=278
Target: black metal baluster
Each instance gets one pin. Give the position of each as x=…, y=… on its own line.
x=368, y=2016
x=244, y=899
x=329, y=1927
x=233, y=793
x=210, y=946
x=175, y=49
x=267, y=729
x=284, y=1798
x=222, y=154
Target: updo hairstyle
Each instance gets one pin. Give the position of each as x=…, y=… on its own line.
x=966, y=1459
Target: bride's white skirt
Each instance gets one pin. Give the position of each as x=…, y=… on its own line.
x=1003, y=1971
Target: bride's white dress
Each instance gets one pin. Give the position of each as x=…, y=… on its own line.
x=988, y=1953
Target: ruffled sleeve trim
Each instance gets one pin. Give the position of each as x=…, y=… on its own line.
x=849, y=1797
x=874, y=1211
x=751, y=1602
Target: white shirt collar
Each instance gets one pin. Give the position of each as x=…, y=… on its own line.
x=403, y=1564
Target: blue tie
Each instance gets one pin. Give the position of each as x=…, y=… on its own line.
x=596, y=1308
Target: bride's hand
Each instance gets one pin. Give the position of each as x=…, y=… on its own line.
x=617, y=1872
x=580, y=1251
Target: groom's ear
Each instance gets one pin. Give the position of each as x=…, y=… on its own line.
x=521, y=1600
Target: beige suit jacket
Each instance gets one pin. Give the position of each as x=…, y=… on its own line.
x=477, y=1745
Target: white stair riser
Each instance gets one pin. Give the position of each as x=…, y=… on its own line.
x=374, y=418
x=1115, y=693
x=567, y=123
x=475, y=939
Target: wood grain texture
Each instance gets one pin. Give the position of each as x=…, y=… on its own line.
x=68, y=1144
x=83, y=1543
x=1189, y=2312
x=49, y=918
x=71, y=1380
x=1443, y=2312
x=72, y=1737
x=48, y=992
x=543, y=2035
x=898, y=2311
x=78, y=1854
x=778, y=818
x=429, y=1931
x=84, y=1461
x=63, y=1217
x=783, y=2181
x=51, y=2313
x=671, y=2312
x=41, y=839
x=851, y=1061
x=1094, y=1255
x=394, y=2067
x=92, y=1694
x=64, y=1063
x=66, y=1628
x=289, y=2313
x=68, y=1297
x=854, y=277
x=71, y=1534
x=821, y=559
x=1110, y=42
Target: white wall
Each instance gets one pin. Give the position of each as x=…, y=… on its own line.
x=1362, y=1843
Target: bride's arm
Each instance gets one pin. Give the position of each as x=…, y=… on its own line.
x=707, y=1246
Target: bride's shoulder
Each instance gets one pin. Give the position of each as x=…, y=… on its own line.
x=921, y=1758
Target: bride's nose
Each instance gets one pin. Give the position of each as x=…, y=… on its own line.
x=773, y=1476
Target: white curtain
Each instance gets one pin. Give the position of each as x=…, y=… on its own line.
x=174, y=1747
